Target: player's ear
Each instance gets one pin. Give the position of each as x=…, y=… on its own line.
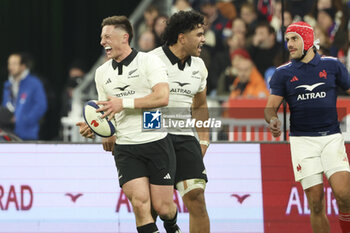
x=181, y=38
x=126, y=37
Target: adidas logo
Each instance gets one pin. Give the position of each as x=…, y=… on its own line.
x=108, y=81
x=167, y=177
x=195, y=72
x=295, y=78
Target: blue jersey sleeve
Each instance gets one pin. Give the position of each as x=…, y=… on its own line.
x=277, y=86
x=342, y=76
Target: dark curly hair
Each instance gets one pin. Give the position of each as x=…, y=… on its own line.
x=181, y=22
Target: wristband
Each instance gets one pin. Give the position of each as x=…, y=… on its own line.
x=204, y=142
x=273, y=118
x=129, y=103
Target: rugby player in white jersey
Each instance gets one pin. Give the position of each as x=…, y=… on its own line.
x=127, y=83
x=184, y=38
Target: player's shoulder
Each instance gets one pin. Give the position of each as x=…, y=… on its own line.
x=104, y=66
x=197, y=61
x=149, y=60
x=330, y=61
x=157, y=51
x=147, y=55
x=328, y=58
x=284, y=67
x=150, y=57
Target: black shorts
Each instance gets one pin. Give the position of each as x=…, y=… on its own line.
x=189, y=159
x=155, y=160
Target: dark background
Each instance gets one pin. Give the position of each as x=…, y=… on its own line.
x=55, y=32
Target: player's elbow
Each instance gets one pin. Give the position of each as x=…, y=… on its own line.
x=164, y=97
x=161, y=95
x=164, y=100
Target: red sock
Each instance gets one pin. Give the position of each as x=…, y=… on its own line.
x=344, y=220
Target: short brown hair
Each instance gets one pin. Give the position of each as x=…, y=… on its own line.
x=119, y=21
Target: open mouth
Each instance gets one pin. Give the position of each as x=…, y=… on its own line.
x=108, y=49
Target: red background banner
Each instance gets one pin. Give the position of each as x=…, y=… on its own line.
x=285, y=206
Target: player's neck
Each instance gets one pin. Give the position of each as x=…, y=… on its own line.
x=310, y=54
x=124, y=53
x=179, y=52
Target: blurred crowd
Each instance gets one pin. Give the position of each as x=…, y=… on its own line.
x=244, y=45
x=244, y=40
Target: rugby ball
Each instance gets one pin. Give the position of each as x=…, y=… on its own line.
x=100, y=126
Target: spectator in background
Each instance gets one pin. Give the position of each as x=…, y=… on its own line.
x=264, y=47
x=208, y=49
x=326, y=4
x=249, y=83
x=227, y=9
x=249, y=15
x=264, y=9
x=216, y=20
x=299, y=8
x=158, y=29
x=24, y=96
x=276, y=21
x=326, y=19
x=150, y=14
x=239, y=27
x=225, y=80
x=146, y=41
x=180, y=5
x=221, y=64
x=331, y=16
x=325, y=43
x=76, y=75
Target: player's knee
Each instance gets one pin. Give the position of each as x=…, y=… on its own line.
x=186, y=186
x=164, y=208
x=316, y=206
x=343, y=198
x=195, y=196
x=140, y=204
x=195, y=202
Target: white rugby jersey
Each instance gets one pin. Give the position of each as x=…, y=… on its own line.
x=133, y=77
x=185, y=81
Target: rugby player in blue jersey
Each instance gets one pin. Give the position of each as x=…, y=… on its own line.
x=309, y=84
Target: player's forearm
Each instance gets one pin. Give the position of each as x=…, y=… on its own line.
x=270, y=113
x=201, y=113
x=156, y=99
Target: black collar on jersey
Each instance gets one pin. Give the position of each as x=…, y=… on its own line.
x=124, y=62
x=313, y=62
x=174, y=59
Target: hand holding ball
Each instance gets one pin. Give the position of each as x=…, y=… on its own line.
x=100, y=126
